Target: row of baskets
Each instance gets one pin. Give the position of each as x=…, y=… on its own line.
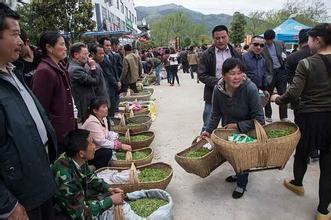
x=262, y=154
x=135, y=132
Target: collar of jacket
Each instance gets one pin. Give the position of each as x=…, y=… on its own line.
x=221, y=85
x=50, y=62
x=232, y=51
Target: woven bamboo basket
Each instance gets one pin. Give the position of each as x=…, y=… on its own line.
x=143, y=123
x=202, y=166
x=128, y=161
x=144, y=96
x=131, y=187
x=142, y=112
x=260, y=155
x=141, y=144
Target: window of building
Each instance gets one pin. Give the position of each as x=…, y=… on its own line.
x=122, y=7
x=118, y=4
x=126, y=12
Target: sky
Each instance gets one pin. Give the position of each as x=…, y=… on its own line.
x=224, y=6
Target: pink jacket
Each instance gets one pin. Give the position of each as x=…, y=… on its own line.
x=100, y=134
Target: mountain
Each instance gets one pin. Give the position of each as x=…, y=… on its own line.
x=156, y=12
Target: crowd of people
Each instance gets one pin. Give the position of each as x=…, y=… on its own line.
x=46, y=95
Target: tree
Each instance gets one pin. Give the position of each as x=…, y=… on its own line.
x=72, y=17
x=176, y=25
x=237, y=28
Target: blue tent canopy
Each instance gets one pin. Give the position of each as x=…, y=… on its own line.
x=288, y=31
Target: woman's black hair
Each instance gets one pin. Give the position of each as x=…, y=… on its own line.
x=232, y=63
x=96, y=103
x=322, y=30
x=48, y=37
x=76, y=141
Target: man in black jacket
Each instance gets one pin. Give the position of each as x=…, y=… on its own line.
x=27, y=139
x=210, y=66
x=274, y=55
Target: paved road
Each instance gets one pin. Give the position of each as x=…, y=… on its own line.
x=178, y=123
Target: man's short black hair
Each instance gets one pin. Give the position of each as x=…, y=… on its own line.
x=114, y=41
x=231, y=63
x=6, y=12
x=269, y=34
x=220, y=28
x=94, y=48
x=103, y=39
x=76, y=141
x=76, y=48
x=127, y=47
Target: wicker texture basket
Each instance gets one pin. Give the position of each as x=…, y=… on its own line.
x=260, y=155
x=141, y=144
x=202, y=166
x=127, y=163
x=131, y=187
x=143, y=122
x=144, y=96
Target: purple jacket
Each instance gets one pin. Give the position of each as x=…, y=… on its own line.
x=52, y=87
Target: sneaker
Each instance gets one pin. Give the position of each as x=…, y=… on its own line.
x=231, y=179
x=320, y=216
x=238, y=192
x=268, y=119
x=299, y=190
x=285, y=120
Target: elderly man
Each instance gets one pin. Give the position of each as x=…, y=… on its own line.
x=27, y=139
x=83, y=79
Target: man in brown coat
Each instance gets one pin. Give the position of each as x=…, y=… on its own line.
x=131, y=70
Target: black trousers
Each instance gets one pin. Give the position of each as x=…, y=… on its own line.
x=101, y=158
x=114, y=101
x=132, y=86
x=279, y=82
x=43, y=212
x=302, y=154
x=174, y=74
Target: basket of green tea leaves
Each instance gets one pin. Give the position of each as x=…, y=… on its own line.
x=272, y=148
x=136, y=124
x=150, y=176
x=198, y=159
x=137, y=140
x=139, y=157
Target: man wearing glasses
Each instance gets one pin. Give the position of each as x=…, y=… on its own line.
x=256, y=68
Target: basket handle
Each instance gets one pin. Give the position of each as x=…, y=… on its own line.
x=133, y=178
x=122, y=122
x=128, y=156
x=208, y=139
x=118, y=212
x=261, y=135
x=131, y=113
x=127, y=136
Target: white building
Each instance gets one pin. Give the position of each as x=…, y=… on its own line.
x=13, y=3
x=115, y=15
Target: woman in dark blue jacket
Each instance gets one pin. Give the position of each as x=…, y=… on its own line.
x=236, y=101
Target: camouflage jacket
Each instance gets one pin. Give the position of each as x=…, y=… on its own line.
x=75, y=185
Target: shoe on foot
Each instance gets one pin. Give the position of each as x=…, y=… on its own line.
x=231, y=179
x=285, y=120
x=268, y=119
x=299, y=190
x=238, y=192
x=320, y=216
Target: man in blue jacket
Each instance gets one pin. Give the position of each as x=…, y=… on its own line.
x=27, y=139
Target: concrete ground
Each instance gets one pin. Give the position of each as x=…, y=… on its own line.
x=179, y=121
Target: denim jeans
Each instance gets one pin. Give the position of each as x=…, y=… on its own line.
x=157, y=73
x=206, y=115
x=242, y=180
